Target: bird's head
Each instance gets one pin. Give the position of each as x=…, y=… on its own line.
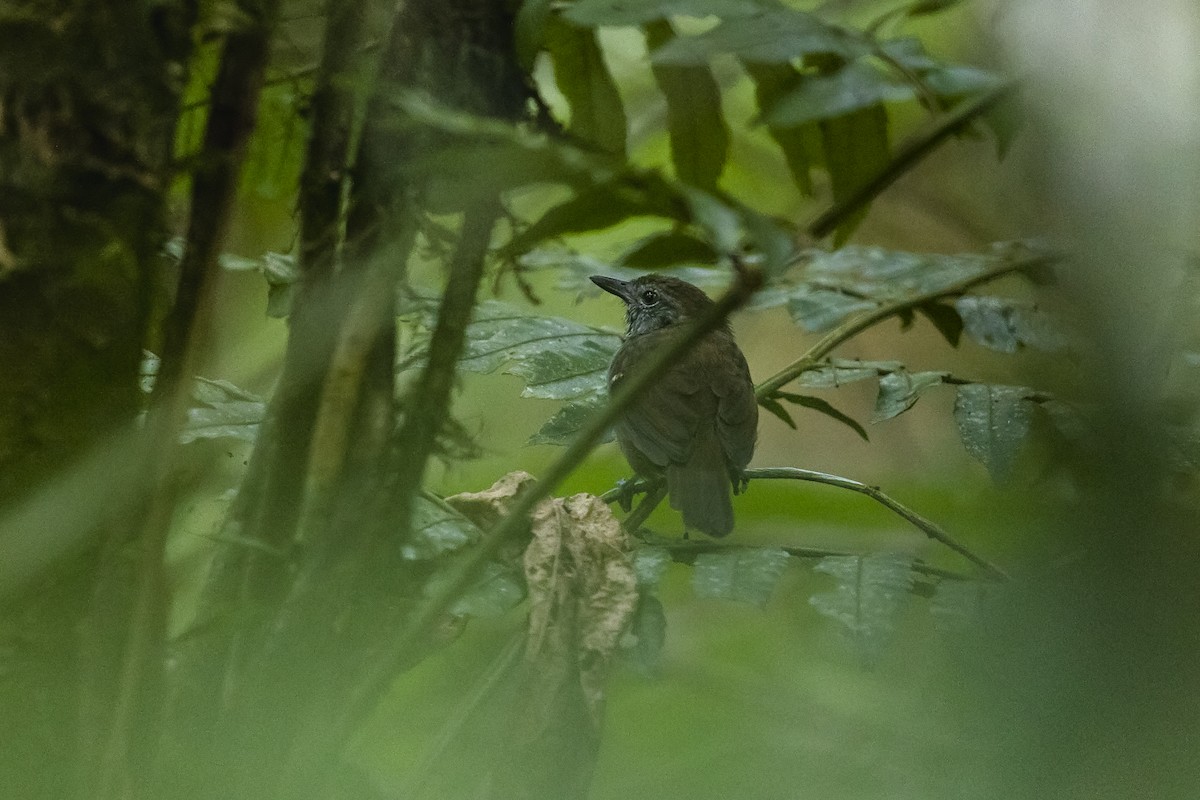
x=653, y=302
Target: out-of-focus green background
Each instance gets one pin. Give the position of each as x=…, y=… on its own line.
x=772, y=703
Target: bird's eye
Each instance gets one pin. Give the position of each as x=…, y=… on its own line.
x=650, y=297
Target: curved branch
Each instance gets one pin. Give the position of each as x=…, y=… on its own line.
x=928, y=527
x=852, y=327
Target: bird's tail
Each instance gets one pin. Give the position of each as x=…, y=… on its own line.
x=700, y=488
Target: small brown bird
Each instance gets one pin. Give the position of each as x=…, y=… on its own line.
x=696, y=425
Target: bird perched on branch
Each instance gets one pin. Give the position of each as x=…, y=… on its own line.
x=697, y=423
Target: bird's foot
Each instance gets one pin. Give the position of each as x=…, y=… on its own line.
x=740, y=482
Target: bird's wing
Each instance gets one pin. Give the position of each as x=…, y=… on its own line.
x=662, y=423
x=737, y=409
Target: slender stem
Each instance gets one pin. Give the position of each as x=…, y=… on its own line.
x=459, y=579
x=910, y=153
x=928, y=527
x=852, y=327
x=235, y=103
x=429, y=404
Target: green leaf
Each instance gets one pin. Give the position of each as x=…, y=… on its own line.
x=841, y=371
x=824, y=407
x=1005, y=325
x=222, y=411
x=799, y=145
x=592, y=209
x=661, y=250
x=853, y=87
x=856, y=148
x=992, y=423
x=437, y=529
x=747, y=575
x=650, y=563
x=946, y=319
x=818, y=310
x=695, y=125
x=595, y=13
x=575, y=270
x=923, y=7
x=871, y=591
x=559, y=358
x=569, y=420
x=498, y=590
x=776, y=37
x=776, y=408
x=597, y=114
x=529, y=31
x=649, y=633
x=885, y=275
x=477, y=153
x=602, y=206
x=898, y=392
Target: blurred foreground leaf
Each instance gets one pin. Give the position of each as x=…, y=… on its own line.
x=746, y=575
x=870, y=592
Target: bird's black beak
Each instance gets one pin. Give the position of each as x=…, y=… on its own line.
x=622, y=289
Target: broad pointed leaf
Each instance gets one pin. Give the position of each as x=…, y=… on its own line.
x=1002, y=324
x=568, y=421
x=800, y=145
x=856, y=149
x=993, y=422
x=637, y=12
x=777, y=37
x=854, y=87
x=597, y=113
x=695, y=124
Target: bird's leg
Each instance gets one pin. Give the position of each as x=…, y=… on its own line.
x=655, y=492
x=627, y=489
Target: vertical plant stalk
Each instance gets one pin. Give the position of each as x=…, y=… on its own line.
x=214, y=189
x=429, y=404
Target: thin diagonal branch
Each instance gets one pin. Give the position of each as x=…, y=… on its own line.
x=856, y=325
x=908, y=156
